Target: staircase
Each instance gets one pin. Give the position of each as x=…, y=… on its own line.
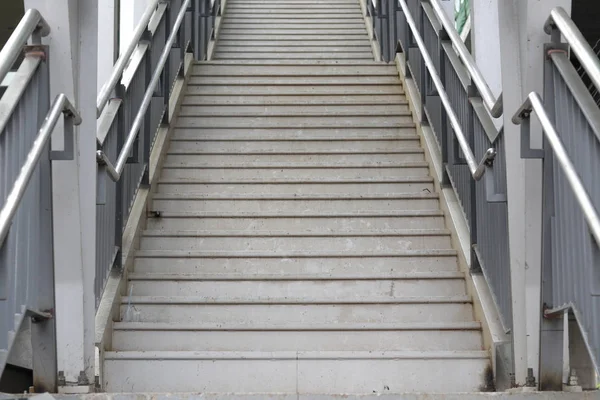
x=300, y=246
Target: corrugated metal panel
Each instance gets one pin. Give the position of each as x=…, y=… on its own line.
x=575, y=255
x=27, y=249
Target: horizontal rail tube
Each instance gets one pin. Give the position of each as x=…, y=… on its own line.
x=494, y=106
x=61, y=105
x=121, y=63
x=477, y=170
x=31, y=22
x=560, y=20
x=116, y=170
x=534, y=103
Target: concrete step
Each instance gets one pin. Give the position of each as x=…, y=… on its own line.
x=364, y=101
x=319, y=221
x=363, y=186
x=190, y=310
x=305, y=121
x=292, y=44
x=346, y=158
x=294, y=21
x=462, y=336
x=329, y=80
x=292, y=110
x=283, y=31
x=292, y=9
x=194, y=203
x=216, y=68
x=296, y=372
x=407, y=132
x=193, y=146
x=253, y=174
x=324, y=55
x=305, y=289
x=268, y=241
x=230, y=37
x=299, y=90
x=443, y=262
x=331, y=48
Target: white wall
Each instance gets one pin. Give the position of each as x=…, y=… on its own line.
x=485, y=36
x=131, y=12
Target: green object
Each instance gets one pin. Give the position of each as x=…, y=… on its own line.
x=462, y=14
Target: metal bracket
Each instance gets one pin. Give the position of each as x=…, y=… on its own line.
x=69, y=141
x=38, y=51
x=39, y=316
x=551, y=48
x=526, y=151
x=490, y=187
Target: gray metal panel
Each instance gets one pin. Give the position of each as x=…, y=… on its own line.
x=575, y=255
x=27, y=250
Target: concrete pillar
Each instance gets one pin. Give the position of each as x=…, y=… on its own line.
x=73, y=47
x=108, y=30
x=522, y=38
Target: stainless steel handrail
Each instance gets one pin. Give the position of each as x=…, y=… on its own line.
x=560, y=20
x=115, y=170
x=493, y=104
x=121, y=63
x=534, y=103
x=477, y=169
x=31, y=24
x=61, y=105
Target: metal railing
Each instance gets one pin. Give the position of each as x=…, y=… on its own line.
x=132, y=105
x=27, y=121
x=456, y=104
x=570, y=119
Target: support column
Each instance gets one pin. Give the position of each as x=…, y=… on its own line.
x=109, y=13
x=522, y=39
x=73, y=46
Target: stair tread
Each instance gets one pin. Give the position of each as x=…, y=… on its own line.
x=284, y=233
x=248, y=355
x=294, y=196
x=329, y=214
x=180, y=300
x=292, y=277
x=337, y=326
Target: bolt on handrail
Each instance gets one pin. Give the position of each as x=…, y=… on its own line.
x=493, y=104
x=560, y=20
x=32, y=24
x=121, y=63
x=116, y=170
x=477, y=169
x=61, y=105
x=534, y=103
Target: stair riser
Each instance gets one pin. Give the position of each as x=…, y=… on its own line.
x=281, y=173
x=296, y=340
x=292, y=110
x=291, y=101
x=307, y=36
x=293, y=122
x=292, y=56
x=193, y=146
x=334, y=290
x=298, y=206
x=345, y=159
x=299, y=225
x=297, y=266
x=323, y=31
x=301, y=188
x=408, y=133
x=301, y=314
x=283, y=244
x=269, y=90
x=295, y=376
